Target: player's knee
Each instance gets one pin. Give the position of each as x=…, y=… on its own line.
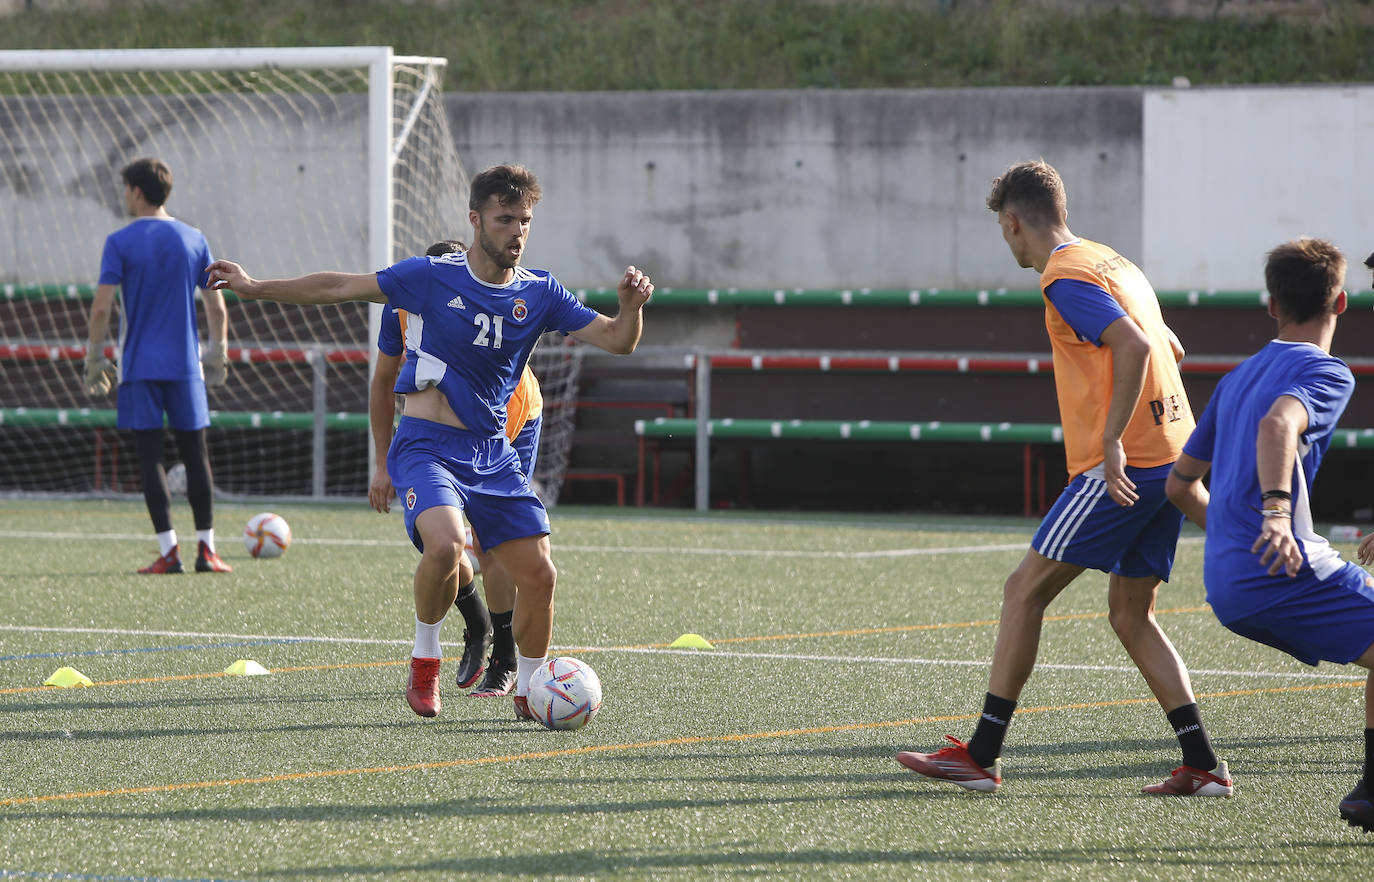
x=1127, y=620
x=444, y=551
x=538, y=580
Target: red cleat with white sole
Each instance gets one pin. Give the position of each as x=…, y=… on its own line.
x=422, y=687
x=1188, y=781
x=953, y=764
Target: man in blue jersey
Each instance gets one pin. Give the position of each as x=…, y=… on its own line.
x=156, y=263
x=474, y=317
x=486, y=626
x=1269, y=576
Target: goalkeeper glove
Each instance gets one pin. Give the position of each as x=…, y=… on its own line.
x=214, y=363
x=100, y=372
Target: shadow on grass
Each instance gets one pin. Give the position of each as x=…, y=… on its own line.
x=750, y=861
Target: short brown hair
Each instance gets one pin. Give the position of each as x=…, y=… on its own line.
x=1033, y=190
x=151, y=176
x=446, y=246
x=1304, y=276
x=510, y=184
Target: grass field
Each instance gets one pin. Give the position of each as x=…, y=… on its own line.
x=838, y=641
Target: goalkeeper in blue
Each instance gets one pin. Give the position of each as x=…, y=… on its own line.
x=474, y=317
x=149, y=272
x=1269, y=576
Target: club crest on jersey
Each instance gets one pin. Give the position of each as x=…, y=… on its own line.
x=410, y=499
x=519, y=310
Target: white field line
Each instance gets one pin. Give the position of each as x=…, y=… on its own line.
x=606, y=549
x=649, y=650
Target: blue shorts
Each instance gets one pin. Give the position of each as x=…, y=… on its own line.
x=432, y=464
x=1085, y=527
x=526, y=444
x=141, y=403
x=1318, y=619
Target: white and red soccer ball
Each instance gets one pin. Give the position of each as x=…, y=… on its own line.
x=267, y=535
x=564, y=693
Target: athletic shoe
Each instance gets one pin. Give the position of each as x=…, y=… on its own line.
x=522, y=709
x=168, y=563
x=1188, y=781
x=422, y=687
x=1357, y=809
x=500, y=679
x=208, y=562
x=954, y=764
x=474, y=652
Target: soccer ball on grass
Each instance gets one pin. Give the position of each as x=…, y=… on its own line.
x=267, y=535
x=564, y=693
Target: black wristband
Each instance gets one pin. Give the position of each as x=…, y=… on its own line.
x=1276, y=494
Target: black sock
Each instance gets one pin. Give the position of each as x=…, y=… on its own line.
x=1368, y=757
x=474, y=611
x=503, y=643
x=986, y=744
x=1192, y=737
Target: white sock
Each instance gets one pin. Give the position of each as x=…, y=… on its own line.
x=167, y=541
x=524, y=667
x=208, y=537
x=426, y=640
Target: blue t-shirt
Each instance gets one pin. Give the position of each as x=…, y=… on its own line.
x=1085, y=307
x=157, y=263
x=472, y=339
x=390, y=342
x=389, y=334
x=1225, y=436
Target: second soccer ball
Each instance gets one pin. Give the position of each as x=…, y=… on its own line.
x=267, y=535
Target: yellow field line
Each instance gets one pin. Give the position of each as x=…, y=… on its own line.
x=616, y=748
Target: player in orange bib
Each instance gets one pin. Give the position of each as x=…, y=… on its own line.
x=486, y=627
x=1125, y=419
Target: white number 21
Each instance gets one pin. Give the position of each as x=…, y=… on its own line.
x=488, y=330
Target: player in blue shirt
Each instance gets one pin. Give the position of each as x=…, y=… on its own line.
x=474, y=317
x=156, y=263
x=1269, y=576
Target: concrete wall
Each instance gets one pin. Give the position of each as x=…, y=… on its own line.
x=880, y=189
x=876, y=188
x=1229, y=173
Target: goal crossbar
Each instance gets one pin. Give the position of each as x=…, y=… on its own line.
x=307, y=58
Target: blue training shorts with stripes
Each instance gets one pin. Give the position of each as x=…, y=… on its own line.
x=432, y=465
x=1086, y=527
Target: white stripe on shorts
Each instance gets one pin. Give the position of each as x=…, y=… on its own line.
x=1075, y=513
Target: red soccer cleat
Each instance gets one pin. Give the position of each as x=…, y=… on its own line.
x=1188, y=781
x=954, y=764
x=522, y=709
x=422, y=687
x=208, y=562
x=168, y=563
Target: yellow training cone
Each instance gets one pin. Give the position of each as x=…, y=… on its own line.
x=67, y=677
x=691, y=641
x=246, y=667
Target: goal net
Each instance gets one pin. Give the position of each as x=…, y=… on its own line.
x=289, y=160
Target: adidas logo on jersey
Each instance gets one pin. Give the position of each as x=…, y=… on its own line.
x=457, y=303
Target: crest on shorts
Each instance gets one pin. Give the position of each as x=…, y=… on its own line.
x=410, y=499
x=519, y=310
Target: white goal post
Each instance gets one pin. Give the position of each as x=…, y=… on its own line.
x=291, y=160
